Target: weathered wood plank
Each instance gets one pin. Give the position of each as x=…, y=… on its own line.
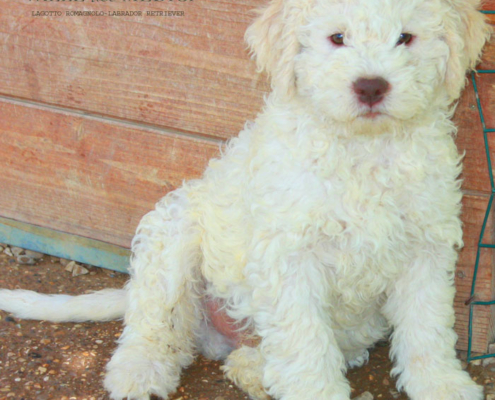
x=63, y=245
x=87, y=176
x=470, y=140
x=190, y=73
x=473, y=213
x=470, y=132
x=488, y=5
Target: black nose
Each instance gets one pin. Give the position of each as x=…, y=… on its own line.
x=371, y=91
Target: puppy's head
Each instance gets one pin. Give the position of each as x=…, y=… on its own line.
x=363, y=61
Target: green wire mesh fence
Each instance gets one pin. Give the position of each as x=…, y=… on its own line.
x=473, y=303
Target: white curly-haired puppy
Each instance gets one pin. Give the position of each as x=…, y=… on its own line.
x=331, y=220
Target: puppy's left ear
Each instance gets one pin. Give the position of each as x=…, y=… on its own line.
x=467, y=32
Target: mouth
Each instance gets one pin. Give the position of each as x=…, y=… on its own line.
x=372, y=115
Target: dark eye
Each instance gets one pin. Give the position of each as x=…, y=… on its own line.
x=405, y=38
x=337, y=39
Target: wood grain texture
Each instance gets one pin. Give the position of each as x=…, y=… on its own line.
x=470, y=141
x=489, y=53
x=488, y=5
x=190, y=73
x=87, y=176
x=473, y=212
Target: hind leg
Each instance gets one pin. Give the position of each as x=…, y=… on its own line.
x=244, y=367
x=164, y=310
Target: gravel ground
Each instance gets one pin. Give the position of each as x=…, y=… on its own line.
x=65, y=361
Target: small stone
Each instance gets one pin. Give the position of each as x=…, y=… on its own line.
x=64, y=262
x=70, y=266
x=364, y=396
x=490, y=397
x=476, y=362
x=395, y=394
x=25, y=260
x=386, y=382
x=34, y=254
x=79, y=270
x=488, y=361
x=42, y=370
x=17, y=251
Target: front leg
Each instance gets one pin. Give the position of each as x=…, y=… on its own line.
x=420, y=308
x=302, y=358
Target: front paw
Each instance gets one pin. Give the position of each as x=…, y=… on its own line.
x=132, y=377
x=459, y=386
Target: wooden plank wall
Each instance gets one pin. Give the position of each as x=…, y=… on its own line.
x=476, y=187
x=102, y=116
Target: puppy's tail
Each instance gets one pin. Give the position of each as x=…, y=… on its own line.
x=104, y=305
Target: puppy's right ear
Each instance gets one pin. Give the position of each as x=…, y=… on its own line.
x=273, y=42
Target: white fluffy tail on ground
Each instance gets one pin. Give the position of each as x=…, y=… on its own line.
x=104, y=305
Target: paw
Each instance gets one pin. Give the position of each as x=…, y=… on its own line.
x=244, y=367
x=132, y=377
x=358, y=361
x=471, y=392
x=458, y=387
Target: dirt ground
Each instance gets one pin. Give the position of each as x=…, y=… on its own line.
x=66, y=361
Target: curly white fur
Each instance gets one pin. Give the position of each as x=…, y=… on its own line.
x=327, y=223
